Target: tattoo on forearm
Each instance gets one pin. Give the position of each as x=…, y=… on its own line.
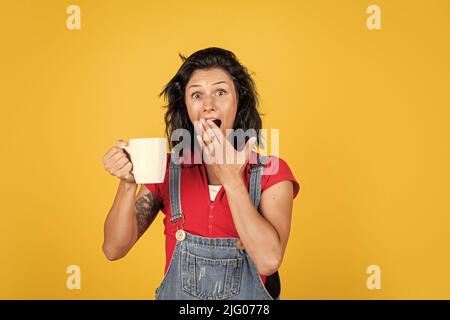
x=147, y=209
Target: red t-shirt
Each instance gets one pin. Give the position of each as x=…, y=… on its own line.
x=204, y=217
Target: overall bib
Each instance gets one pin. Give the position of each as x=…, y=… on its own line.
x=210, y=268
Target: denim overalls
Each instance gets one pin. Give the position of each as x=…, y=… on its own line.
x=210, y=268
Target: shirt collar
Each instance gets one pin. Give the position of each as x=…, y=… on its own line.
x=196, y=153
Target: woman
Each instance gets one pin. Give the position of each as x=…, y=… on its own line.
x=226, y=223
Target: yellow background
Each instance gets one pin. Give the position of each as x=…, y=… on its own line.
x=363, y=118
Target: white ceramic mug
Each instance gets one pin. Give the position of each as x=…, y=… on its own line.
x=149, y=159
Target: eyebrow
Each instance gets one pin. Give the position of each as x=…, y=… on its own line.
x=197, y=85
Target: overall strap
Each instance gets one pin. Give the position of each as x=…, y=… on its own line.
x=254, y=188
x=174, y=191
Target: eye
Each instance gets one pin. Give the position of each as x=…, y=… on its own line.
x=195, y=95
x=221, y=91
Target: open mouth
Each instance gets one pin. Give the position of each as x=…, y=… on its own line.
x=217, y=122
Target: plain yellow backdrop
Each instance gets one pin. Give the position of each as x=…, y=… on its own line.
x=363, y=118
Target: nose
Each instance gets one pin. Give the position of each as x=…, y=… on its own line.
x=208, y=104
x=208, y=107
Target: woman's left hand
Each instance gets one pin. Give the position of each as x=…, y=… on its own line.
x=226, y=162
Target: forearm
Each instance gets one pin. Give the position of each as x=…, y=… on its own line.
x=259, y=237
x=120, y=228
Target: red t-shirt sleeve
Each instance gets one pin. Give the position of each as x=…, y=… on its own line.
x=155, y=189
x=277, y=170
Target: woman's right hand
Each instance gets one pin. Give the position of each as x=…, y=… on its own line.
x=118, y=163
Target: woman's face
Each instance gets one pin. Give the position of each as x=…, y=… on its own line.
x=210, y=94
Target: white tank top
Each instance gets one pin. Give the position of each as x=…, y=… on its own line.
x=213, y=190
